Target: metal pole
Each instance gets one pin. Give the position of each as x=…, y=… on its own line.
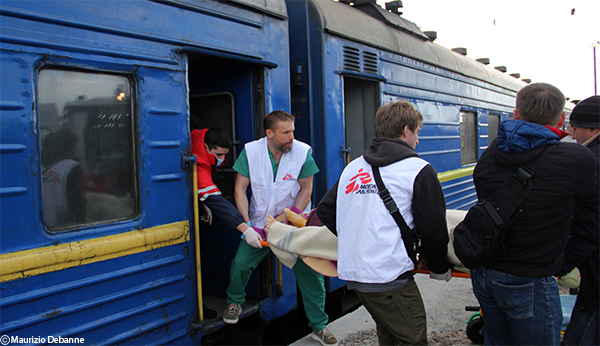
x=595, y=87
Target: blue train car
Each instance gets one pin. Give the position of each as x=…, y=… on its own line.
x=350, y=58
x=100, y=242
x=98, y=235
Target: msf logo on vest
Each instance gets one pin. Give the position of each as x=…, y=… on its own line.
x=360, y=184
x=288, y=177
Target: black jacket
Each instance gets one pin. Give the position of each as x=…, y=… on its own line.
x=582, y=250
x=428, y=204
x=535, y=244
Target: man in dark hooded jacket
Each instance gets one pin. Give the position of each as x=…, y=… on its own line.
x=582, y=250
x=372, y=257
x=516, y=291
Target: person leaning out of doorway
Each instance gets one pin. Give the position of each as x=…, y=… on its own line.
x=210, y=147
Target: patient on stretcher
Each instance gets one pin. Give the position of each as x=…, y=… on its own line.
x=305, y=236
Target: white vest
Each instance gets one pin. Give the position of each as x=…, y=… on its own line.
x=269, y=196
x=370, y=246
x=54, y=192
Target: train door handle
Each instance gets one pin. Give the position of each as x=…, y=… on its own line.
x=187, y=158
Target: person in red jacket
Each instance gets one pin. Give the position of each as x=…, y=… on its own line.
x=210, y=147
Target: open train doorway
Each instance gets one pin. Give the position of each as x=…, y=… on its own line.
x=361, y=101
x=225, y=93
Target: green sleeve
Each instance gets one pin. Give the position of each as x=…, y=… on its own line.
x=309, y=168
x=241, y=164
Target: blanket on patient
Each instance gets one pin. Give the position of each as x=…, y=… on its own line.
x=317, y=246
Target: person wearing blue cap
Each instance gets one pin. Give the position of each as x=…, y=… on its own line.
x=582, y=249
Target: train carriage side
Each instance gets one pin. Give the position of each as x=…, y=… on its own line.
x=349, y=60
x=96, y=191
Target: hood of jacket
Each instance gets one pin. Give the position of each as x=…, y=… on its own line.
x=385, y=151
x=198, y=138
x=515, y=136
x=519, y=142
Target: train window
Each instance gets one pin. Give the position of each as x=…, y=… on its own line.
x=87, y=148
x=493, y=124
x=468, y=137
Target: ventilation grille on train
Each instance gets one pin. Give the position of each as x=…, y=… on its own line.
x=352, y=61
x=370, y=62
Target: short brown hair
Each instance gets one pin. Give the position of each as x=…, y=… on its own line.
x=272, y=118
x=393, y=117
x=540, y=103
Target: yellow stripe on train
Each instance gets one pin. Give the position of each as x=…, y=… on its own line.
x=455, y=174
x=27, y=263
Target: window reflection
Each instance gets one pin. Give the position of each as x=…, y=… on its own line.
x=87, y=148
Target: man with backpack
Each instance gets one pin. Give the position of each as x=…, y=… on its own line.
x=518, y=296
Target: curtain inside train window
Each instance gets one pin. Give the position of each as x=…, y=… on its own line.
x=468, y=137
x=87, y=149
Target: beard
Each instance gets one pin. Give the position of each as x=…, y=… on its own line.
x=284, y=148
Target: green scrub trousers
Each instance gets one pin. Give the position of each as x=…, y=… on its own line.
x=310, y=283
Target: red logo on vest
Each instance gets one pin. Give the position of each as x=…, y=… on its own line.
x=364, y=178
x=288, y=177
x=50, y=176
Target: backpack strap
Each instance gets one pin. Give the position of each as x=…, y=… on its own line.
x=514, y=191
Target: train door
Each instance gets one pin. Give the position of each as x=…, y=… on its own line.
x=361, y=101
x=228, y=94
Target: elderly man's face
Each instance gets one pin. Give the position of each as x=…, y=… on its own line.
x=582, y=134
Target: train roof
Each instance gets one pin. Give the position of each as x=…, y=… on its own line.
x=370, y=24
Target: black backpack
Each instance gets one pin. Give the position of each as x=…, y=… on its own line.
x=479, y=236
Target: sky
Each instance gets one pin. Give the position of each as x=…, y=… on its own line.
x=540, y=39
